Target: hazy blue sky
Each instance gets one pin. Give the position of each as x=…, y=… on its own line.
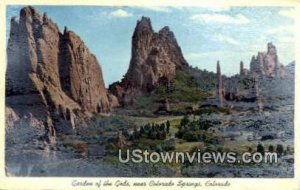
x=204, y=34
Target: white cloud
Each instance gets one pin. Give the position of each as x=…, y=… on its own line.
x=120, y=13
x=226, y=39
x=290, y=13
x=220, y=18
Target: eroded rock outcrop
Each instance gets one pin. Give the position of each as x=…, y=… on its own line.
x=51, y=76
x=11, y=117
x=155, y=56
x=121, y=141
x=220, y=90
x=267, y=63
x=264, y=68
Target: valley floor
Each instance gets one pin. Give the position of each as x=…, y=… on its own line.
x=95, y=152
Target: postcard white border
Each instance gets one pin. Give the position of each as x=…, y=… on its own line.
x=66, y=182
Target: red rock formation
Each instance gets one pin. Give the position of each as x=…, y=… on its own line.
x=32, y=49
x=11, y=117
x=81, y=76
x=220, y=91
x=121, y=141
x=267, y=64
x=154, y=58
x=49, y=74
x=114, y=103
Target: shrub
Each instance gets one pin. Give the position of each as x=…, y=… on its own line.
x=190, y=136
x=279, y=149
x=271, y=148
x=184, y=121
x=260, y=149
x=168, y=126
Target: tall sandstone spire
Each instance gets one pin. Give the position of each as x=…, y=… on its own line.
x=220, y=92
x=254, y=94
x=155, y=56
x=51, y=74
x=241, y=68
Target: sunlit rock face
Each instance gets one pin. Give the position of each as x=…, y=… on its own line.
x=51, y=76
x=155, y=56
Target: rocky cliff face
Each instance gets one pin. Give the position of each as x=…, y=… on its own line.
x=155, y=56
x=81, y=75
x=51, y=75
x=32, y=49
x=267, y=63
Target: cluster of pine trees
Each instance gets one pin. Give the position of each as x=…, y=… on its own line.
x=279, y=149
x=193, y=130
x=152, y=131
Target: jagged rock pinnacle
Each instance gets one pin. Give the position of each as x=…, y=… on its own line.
x=155, y=57
x=267, y=63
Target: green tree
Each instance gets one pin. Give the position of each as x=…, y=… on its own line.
x=147, y=127
x=159, y=135
x=142, y=131
x=279, y=149
x=179, y=133
x=190, y=136
x=135, y=133
x=153, y=135
x=168, y=126
x=164, y=135
x=162, y=127
x=260, y=149
x=184, y=121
